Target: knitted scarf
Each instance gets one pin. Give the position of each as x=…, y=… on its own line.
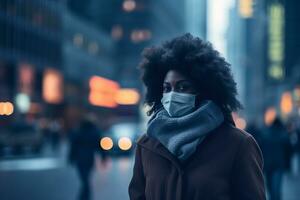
x=182, y=135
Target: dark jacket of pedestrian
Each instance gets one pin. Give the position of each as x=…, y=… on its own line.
x=277, y=151
x=227, y=166
x=84, y=145
x=276, y=147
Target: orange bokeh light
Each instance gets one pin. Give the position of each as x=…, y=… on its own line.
x=106, y=143
x=52, y=86
x=246, y=8
x=100, y=83
x=6, y=108
x=127, y=97
x=129, y=5
x=286, y=103
x=239, y=121
x=103, y=92
x=2, y=111
x=124, y=143
x=270, y=115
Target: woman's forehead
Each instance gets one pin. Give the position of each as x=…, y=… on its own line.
x=174, y=76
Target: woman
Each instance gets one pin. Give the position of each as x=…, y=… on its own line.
x=192, y=150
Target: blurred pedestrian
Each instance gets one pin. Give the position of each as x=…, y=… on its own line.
x=84, y=145
x=276, y=147
x=297, y=149
x=191, y=149
x=55, y=134
x=294, y=129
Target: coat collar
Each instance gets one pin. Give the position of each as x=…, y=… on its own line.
x=152, y=144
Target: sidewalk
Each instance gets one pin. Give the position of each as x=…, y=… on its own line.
x=291, y=187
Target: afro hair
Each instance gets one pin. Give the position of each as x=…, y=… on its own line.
x=198, y=61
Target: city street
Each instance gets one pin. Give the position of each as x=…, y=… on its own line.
x=81, y=80
x=51, y=178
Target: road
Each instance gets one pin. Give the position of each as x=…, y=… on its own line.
x=50, y=178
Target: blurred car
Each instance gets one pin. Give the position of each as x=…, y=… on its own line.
x=21, y=138
x=119, y=139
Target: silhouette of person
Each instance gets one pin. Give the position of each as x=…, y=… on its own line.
x=84, y=145
x=275, y=146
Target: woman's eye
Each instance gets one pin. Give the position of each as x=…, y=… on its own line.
x=182, y=88
x=166, y=89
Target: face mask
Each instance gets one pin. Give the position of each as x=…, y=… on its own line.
x=178, y=104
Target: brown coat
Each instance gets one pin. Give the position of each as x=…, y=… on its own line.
x=227, y=165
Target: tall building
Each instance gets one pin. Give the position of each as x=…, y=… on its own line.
x=87, y=51
x=263, y=39
x=30, y=43
x=196, y=17
x=283, y=64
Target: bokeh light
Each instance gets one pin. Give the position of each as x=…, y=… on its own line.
x=6, y=108
x=270, y=116
x=127, y=97
x=129, y=5
x=124, y=143
x=106, y=143
x=286, y=103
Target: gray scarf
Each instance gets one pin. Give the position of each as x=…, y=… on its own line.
x=181, y=135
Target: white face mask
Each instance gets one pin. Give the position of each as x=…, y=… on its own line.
x=178, y=104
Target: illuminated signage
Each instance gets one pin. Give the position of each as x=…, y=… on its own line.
x=53, y=86
x=103, y=92
x=107, y=93
x=126, y=96
x=276, y=42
